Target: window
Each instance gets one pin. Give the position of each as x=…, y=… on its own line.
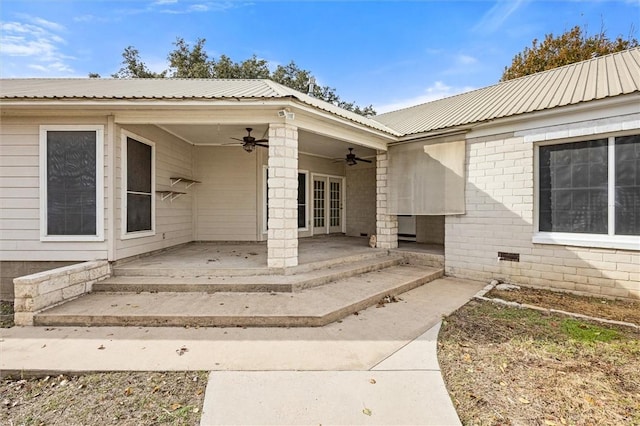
x=589, y=192
x=71, y=183
x=139, y=176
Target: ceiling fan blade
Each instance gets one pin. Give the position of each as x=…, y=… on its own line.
x=264, y=145
x=262, y=140
x=236, y=139
x=232, y=143
x=363, y=160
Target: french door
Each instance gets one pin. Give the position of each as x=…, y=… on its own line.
x=328, y=204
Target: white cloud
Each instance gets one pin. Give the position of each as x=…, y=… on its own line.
x=438, y=90
x=466, y=59
x=497, y=15
x=36, y=43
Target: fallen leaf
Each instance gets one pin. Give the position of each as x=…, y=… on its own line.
x=503, y=384
x=196, y=409
x=524, y=400
x=367, y=412
x=589, y=399
x=466, y=357
x=372, y=381
x=182, y=350
x=175, y=406
x=128, y=391
x=550, y=423
x=101, y=347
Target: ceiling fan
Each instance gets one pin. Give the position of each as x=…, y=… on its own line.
x=249, y=143
x=352, y=160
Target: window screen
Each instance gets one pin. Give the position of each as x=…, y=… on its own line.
x=573, y=187
x=627, y=185
x=139, y=186
x=71, y=182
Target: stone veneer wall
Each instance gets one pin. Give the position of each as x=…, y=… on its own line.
x=42, y=290
x=386, y=224
x=282, y=242
x=10, y=270
x=499, y=218
x=361, y=200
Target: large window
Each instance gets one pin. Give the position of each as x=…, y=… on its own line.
x=71, y=182
x=139, y=176
x=589, y=191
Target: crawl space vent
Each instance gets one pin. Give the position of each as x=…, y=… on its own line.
x=509, y=257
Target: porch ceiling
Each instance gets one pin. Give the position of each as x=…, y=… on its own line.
x=218, y=135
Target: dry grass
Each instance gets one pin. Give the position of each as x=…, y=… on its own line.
x=127, y=398
x=509, y=366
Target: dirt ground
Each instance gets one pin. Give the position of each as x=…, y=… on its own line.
x=511, y=366
x=618, y=310
x=128, y=398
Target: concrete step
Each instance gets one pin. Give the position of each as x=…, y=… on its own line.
x=316, y=306
x=258, y=283
x=155, y=268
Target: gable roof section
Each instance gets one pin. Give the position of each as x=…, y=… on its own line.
x=598, y=78
x=82, y=89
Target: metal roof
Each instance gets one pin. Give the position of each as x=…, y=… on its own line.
x=598, y=78
x=82, y=89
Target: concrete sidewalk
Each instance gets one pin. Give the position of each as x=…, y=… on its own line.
x=356, y=346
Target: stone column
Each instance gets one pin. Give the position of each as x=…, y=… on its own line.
x=386, y=224
x=282, y=235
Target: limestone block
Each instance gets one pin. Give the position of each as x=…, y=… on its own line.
x=23, y=319
x=23, y=304
x=26, y=290
x=73, y=291
x=48, y=299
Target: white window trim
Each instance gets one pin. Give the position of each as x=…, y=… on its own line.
x=99, y=129
x=265, y=177
x=124, y=235
x=610, y=240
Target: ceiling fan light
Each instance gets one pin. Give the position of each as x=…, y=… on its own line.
x=247, y=147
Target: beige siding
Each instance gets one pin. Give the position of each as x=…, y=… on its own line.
x=174, y=219
x=226, y=201
x=361, y=199
x=20, y=194
x=500, y=211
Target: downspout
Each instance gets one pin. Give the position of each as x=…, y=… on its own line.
x=111, y=189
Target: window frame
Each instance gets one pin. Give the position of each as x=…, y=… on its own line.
x=44, y=216
x=609, y=240
x=124, y=234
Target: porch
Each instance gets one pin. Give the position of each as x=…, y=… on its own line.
x=229, y=284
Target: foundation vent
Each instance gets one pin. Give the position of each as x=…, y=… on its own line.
x=509, y=257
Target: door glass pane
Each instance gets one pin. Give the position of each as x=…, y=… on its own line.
x=318, y=203
x=573, y=187
x=71, y=183
x=627, y=192
x=334, y=204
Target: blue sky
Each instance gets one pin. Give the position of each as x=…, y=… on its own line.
x=386, y=53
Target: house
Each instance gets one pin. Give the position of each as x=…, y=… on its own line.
x=535, y=180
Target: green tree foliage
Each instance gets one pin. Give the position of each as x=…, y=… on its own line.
x=187, y=61
x=572, y=46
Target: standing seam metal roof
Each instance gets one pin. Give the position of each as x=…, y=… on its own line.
x=598, y=78
x=167, y=89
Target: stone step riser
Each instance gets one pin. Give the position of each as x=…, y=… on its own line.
x=234, y=320
x=216, y=284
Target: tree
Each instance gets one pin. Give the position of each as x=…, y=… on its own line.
x=186, y=61
x=133, y=67
x=572, y=46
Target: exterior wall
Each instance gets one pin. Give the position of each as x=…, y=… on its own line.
x=430, y=229
x=361, y=199
x=174, y=219
x=20, y=193
x=500, y=218
x=225, y=207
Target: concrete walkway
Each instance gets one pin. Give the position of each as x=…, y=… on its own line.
x=386, y=344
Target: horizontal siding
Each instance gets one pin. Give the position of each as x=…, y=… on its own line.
x=226, y=200
x=174, y=219
x=20, y=194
